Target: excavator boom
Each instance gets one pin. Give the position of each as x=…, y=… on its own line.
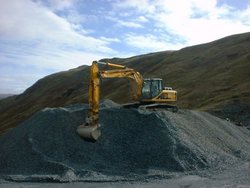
x=90, y=130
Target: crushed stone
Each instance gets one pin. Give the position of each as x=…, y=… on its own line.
x=134, y=144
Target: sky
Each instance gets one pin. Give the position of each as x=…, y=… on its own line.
x=41, y=37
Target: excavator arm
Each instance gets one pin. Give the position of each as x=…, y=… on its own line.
x=90, y=130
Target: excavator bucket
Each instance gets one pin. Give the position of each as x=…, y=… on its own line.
x=89, y=132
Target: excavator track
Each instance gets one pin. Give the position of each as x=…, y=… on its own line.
x=151, y=106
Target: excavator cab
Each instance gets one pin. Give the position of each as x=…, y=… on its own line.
x=153, y=91
x=151, y=88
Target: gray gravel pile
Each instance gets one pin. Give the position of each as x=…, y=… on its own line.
x=134, y=143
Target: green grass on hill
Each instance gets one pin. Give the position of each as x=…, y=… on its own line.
x=207, y=77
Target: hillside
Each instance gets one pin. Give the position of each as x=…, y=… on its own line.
x=2, y=96
x=212, y=77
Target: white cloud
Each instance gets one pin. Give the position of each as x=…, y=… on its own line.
x=129, y=24
x=51, y=39
x=144, y=6
x=34, y=36
x=245, y=16
x=148, y=43
x=37, y=23
x=17, y=83
x=57, y=5
x=142, y=19
x=216, y=19
x=124, y=23
x=110, y=39
x=213, y=25
x=195, y=21
x=74, y=17
x=46, y=58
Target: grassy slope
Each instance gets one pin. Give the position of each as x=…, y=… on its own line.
x=55, y=90
x=207, y=77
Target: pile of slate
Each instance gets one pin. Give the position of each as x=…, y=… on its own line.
x=135, y=143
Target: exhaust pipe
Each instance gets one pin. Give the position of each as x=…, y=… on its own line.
x=90, y=133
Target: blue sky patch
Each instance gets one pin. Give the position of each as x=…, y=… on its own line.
x=40, y=37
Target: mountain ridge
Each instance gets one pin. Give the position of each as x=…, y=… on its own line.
x=209, y=77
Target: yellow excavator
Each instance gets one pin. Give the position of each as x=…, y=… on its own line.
x=149, y=93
